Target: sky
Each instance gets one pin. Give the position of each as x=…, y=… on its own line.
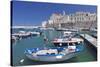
x=34, y=13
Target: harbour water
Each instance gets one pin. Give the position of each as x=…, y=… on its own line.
x=89, y=53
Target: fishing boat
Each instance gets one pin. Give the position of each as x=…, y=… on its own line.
x=68, y=38
x=33, y=33
x=53, y=54
x=67, y=33
x=24, y=34
x=67, y=41
x=14, y=39
x=70, y=33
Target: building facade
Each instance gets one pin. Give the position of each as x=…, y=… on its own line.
x=78, y=20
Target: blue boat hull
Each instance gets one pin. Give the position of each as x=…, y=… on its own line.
x=52, y=58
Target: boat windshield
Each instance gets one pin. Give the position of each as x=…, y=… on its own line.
x=71, y=44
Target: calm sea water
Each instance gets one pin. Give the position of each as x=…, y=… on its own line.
x=89, y=53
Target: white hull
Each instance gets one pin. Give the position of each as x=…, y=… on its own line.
x=52, y=58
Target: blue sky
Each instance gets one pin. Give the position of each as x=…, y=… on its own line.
x=33, y=13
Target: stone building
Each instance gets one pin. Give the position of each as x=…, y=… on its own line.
x=78, y=20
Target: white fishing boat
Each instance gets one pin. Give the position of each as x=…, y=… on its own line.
x=68, y=37
x=70, y=33
x=14, y=39
x=52, y=54
x=67, y=33
x=25, y=34
x=67, y=41
x=33, y=33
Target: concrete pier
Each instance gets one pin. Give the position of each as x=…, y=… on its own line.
x=90, y=39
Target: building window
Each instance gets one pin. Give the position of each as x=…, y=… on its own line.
x=86, y=14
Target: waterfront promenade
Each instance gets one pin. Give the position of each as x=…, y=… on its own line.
x=90, y=39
